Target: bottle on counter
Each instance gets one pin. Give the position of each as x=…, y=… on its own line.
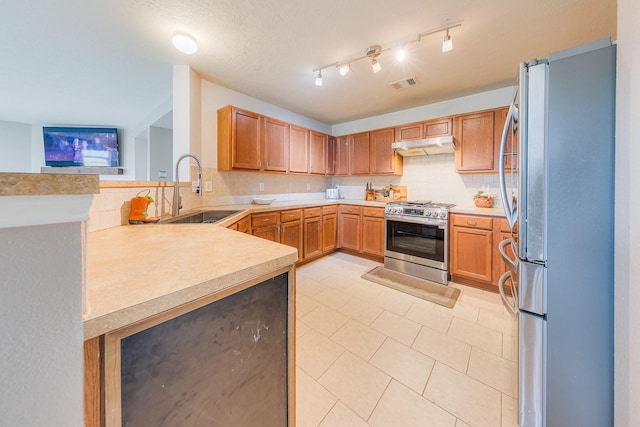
x=391, y=191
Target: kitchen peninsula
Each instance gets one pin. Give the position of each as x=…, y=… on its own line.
x=168, y=297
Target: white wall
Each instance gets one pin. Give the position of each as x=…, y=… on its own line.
x=161, y=153
x=627, y=245
x=15, y=146
x=41, y=357
x=481, y=101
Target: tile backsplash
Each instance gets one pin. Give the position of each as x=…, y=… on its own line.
x=426, y=178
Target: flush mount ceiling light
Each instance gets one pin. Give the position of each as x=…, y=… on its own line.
x=184, y=44
x=374, y=51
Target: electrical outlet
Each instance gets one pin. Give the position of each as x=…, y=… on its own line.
x=308, y=187
x=162, y=174
x=208, y=186
x=194, y=187
x=261, y=186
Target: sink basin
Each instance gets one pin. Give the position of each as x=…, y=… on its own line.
x=201, y=217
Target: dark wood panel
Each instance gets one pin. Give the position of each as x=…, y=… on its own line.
x=224, y=364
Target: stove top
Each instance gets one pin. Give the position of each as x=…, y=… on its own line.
x=419, y=208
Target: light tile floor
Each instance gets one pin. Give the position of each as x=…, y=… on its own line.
x=368, y=355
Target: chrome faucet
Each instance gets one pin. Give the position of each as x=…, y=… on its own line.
x=177, y=201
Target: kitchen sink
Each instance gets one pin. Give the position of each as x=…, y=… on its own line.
x=200, y=217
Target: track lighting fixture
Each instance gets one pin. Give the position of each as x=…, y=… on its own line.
x=373, y=52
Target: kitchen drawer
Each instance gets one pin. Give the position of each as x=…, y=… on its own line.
x=292, y=215
x=504, y=226
x=482, y=222
x=376, y=212
x=311, y=212
x=327, y=210
x=349, y=209
x=265, y=219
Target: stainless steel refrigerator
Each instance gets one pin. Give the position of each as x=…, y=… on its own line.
x=557, y=186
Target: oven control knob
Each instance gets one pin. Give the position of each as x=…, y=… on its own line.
x=443, y=214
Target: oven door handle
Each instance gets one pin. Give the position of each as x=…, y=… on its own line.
x=417, y=220
x=409, y=234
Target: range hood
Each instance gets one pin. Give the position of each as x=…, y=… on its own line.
x=422, y=147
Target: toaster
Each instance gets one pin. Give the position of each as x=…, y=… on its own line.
x=332, y=193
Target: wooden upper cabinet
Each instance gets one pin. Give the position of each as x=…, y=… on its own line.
x=239, y=139
x=409, y=132
x=317, y=153
x=331, y=156
x=420, y=130
x=511, y=149
x=298, y=149
x=383, y=158
x=359, y=154
x=438, y=127
x=476, y=142
x=276, y=145
x=342, y=155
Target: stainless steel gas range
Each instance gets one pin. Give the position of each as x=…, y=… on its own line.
x=417, y=239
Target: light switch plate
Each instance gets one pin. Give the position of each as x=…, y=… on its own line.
x=261, y=186
x=208, y=186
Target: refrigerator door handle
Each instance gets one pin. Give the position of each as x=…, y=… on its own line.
x=512, y=307
x=509, y=205
x=512, y=264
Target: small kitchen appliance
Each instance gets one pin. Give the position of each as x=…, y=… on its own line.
x=417, y=239
x=332, y=193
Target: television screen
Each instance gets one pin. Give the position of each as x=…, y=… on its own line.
x=72, y=146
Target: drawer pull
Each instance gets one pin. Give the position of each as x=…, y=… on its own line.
x=265, y=219
x=472, y=222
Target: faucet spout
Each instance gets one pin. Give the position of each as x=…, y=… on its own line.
x=175, y=208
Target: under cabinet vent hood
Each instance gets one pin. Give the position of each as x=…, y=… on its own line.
x=422, y=147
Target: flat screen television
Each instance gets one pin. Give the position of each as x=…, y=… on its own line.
x=81, y=146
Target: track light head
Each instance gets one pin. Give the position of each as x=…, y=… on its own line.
x=447, y=43
x=375, y=66
x=319, y=78
x=344, y=69
x=401, y=55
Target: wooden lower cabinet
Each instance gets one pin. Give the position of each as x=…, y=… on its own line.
x=312, y=237
x=373, y=231
x=243, y=225
x=329, y=228
x=266, y=225
x=349, y=227
x=361, y=229
x=291, y=229
x=319, y=231
x=474, y=255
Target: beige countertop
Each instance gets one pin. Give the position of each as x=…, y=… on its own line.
x=42, y=184
x=246, y=209
x=472, y=210
x=137, y=271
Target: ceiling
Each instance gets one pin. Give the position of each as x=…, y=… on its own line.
x=110, y=62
